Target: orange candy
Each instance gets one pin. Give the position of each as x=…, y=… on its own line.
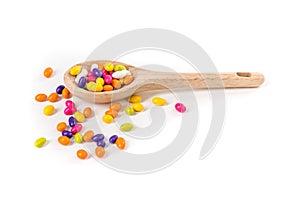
x=64, y=140
x=116, y=84
x=108, y=88
x=82, y=154
x=121, y=143
x=115, y=106
x=41, y=97
x=112, y=113
x=53, y=97
x=61, y=126
x=100, y=152
x=66, y=93
x=48, y=72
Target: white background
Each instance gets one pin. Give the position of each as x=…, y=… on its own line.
x=258, y=153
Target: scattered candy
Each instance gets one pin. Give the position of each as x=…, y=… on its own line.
x=66, y=93
x=98, y=137
x=48, y=72
x=113, y=139
x=180, y=107
x=112, y=113
x=40, y=142
x=121, y=143
x=72, y=121
x=67, y=134
x=87, y=136
x=108, y=119
x=53, y=97
x=64, y=140
x=135, y=99
x=82, y=154
x=101, y=143
x=116, y=106
x=78, y=138
x=61, y=126
x=159, y=101
x=77, y=128
x=138, y=107
x=129, y=111
x=87, y=112
x=99, y=151
x=59, y=89
x=79, y=117
x=41, y=97
x=49, y=110
x=126, y=127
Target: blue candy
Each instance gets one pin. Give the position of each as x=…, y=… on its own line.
x=113, y=139
x=97, y=72
x=97, y=137
x=72, y=121
x=59, y=89
x=101, y=143
x=82, y=82
x=67, y=133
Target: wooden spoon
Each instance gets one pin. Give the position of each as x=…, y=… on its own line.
x=146, y=80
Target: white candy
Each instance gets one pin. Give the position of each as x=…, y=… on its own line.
x=121, y=74
x=94, y=66
x=83, y=72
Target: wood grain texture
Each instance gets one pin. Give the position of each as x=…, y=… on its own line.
x=145, y=80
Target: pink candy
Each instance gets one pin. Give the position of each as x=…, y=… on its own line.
x=180, y=107
x=70, y=109
x=108, y=79
x=91, y=77
x=77, y=128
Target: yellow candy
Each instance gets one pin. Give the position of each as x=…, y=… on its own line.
x=100, y=81
x=108, y=119
x=91, y=86
x=109, y=66
x=99, y=87
x=135, y=99
x=159, y=101
x=79, y=117
x=78, y=138
x=75, y=70
x=119, y=68
x=138, y=107
x=49, y=110
x=40, y=142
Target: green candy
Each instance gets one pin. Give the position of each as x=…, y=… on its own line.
x=126, y=127
x=40, y=142
x=119, y=68
x=129, y=111
x=78, y=138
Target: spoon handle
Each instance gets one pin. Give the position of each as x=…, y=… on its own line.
x=204, y=81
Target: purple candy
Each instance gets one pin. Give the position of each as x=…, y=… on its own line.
x=72, y=121
x=101, y=143
x=97, y=137
x=97, y=72
x=59, y=89
x=113, y=139
x=82, y=82
x=67, y=133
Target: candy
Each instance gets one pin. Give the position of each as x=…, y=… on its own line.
x=108, y=119
x=107, y=79
x=128, y=79
x=59, y=89
x=109, y=66
x=97, y=72
x=72, y=121
x=108, y=88
x=87, y=112
x=113, y=139
x=40, y=142
x=135, y=99
x=77, y=128
x=83, y=73
x=70, y=109
x=94, y=66
x=48, y=72
x=41, y=97
x=87, y=136
x=61, y=126
x=100, y=81
x=49, y=110
x=112, y=113
x=53, y=97
x=79, y=117
x=91, y=77
x=159, y=101
x=66, y=93
x=64, y=140
x=99, y=151
x=121, y=74
x=180, y=107
x=69, y=103
x=75, y=70
x=67, y=134
x=119, y=68
x=129, y=111
x=126, y=127
x=82, y=82
x=91, y=86
x=138, y=107
x=82, y=154
x=116, y=84
x=121, y=143
x=78, y=138
x=99, y=87
x=115, y=106
x=101, y=143
x=98, y=137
